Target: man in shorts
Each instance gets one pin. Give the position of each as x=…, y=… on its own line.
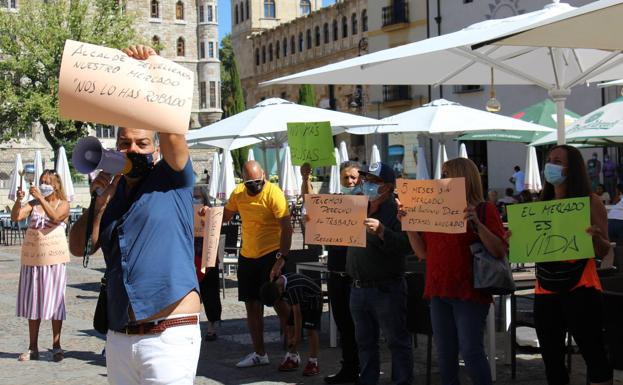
x=266, y=239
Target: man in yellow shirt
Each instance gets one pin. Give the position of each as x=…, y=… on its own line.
x=266, y=239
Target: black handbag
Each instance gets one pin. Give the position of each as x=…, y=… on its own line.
x=100, y=317
x=559, y=277
x=491, y=275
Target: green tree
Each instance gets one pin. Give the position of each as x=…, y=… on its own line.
x=232, y=98
x=31, y=48
x=307, y=96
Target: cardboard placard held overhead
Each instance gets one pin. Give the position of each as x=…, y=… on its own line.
x=336, y=219
x=104, y=85
x=211, y=235
x=433, y=205
x=45, y=247
x=550, y=231
x=311, y=143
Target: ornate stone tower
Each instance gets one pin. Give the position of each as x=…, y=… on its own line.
x=249, y=17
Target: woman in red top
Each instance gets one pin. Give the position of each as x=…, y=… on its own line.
x=458, y=311
x=568, y=293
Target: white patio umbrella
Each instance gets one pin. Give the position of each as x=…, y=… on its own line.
x=334, y=177
x=550, y=48
x=250, y=155
x=532, y=179
x=287, y=178
x=463, y=151
x=344, y=152
x=375, y=155
x=38, y=168
x=421, y=170
x=442, y=117
x=442, y=157
x=17, y=179
x=62, y=169
x=268, y=121
x=227, y=182
x=215, y=178
x=601, y=127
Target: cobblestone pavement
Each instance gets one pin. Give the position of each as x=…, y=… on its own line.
x=84, y=363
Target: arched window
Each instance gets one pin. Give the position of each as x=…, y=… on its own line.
x=292, y=45
x=241, y=12
x=155, y=43
x=155, y=9
x=344, y=27
x=317, y=36
x=277, y=49
x=181, y=46
x=269, y=9
x=325, y=32
x=301, y=42
x=305, y=7
x=364, y=20
x=257, y=56
x=246, y=6
x=179, y=11
x=236, y=14
x=309, y=39
x=263, y=54
x=335, y=30
x=270, y=52
x=353, y=24
x=285, y=46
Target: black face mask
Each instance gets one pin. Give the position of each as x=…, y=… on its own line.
x=254, y=188
x=142, y=164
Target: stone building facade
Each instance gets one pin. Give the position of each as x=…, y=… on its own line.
x=273, y=38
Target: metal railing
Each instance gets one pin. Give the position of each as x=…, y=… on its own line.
x=397, y=13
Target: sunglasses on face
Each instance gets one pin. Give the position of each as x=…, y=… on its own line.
x=253, y=181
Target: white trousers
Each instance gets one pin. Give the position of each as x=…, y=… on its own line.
x=168, y=358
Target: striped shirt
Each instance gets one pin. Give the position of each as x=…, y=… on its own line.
x=301, y=290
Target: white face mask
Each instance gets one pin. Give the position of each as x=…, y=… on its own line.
x=46, y=190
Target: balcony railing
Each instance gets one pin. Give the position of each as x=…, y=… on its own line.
x=397, y=13
x=395, y=93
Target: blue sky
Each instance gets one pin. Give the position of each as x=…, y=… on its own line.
x=224, y=16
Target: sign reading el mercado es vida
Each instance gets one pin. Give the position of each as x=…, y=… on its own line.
x=433, y=205
x=550, y=231
x=104, y=85
x=312, y=143
x=336, y=219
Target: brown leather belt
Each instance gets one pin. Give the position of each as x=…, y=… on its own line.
x=159, y=326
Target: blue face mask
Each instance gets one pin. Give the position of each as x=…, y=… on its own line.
x=355, y=190
x=371, y=190
x=553, y=174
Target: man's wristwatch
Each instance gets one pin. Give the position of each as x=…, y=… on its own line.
x=281, y=256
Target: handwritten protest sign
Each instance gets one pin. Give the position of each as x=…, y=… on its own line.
x=104, y=85
x=211, y=235
x=311, y=143
x=433, y=205
x=199, y=222
x=550, y=231
x=45, y=247
x=336, y=219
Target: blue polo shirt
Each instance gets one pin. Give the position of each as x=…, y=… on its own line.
x=147, y=240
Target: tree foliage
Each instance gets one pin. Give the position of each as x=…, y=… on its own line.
x=307, y=96
x=232, y=98
x=31, y=48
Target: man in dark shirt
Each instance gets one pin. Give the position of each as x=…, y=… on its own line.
x=379, y=293
x=144, y=224
x=303, y=310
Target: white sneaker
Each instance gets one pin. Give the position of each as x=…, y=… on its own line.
x=253, y=359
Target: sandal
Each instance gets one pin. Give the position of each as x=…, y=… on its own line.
x=28, y=355
x=58, y=354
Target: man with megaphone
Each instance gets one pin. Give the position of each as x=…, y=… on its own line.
x=143, y=221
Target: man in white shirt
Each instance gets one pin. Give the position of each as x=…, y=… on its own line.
x=517, y=179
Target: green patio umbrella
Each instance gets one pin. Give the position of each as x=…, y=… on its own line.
x=542, y=113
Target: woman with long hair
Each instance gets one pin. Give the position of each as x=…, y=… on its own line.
x=42, y=279
x=458, y=311
x=568, y=293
